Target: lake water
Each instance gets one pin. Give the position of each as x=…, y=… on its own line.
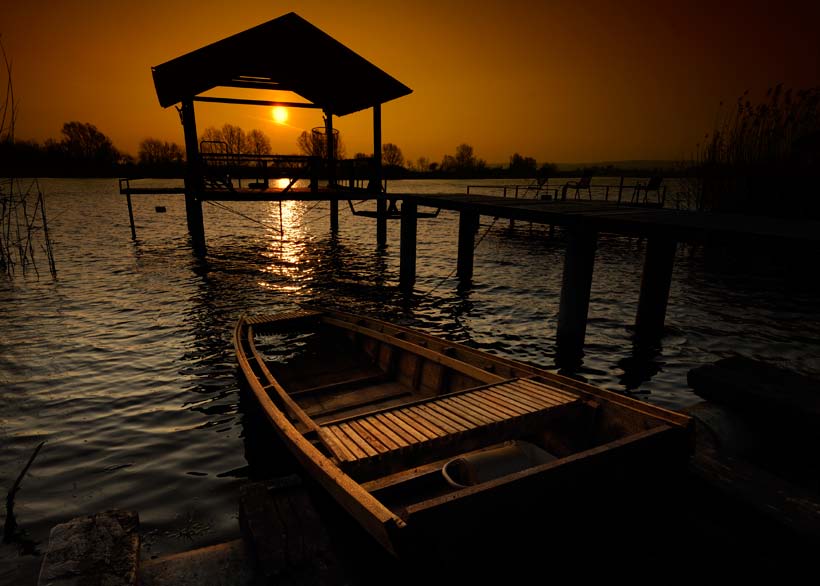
x=124, y=364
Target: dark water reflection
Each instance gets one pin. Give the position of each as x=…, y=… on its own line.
x=125, y=365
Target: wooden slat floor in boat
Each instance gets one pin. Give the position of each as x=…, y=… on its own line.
x=429, y=422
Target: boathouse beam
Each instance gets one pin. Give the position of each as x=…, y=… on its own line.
x=576, y=285
x=467, y=228
x=244, y=102
x=193, y=178
x=376, y=180
x=655, y=285
x=408, y=235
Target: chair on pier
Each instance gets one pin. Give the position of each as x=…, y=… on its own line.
x=582, y=183
x=539, y=187
x=654, y=184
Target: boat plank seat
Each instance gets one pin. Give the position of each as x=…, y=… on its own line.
x=432, y=428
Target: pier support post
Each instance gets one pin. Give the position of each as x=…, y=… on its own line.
x=334, y=216
x=381, y=221
x=331, y=170
x=407, y=262
x=376, y=179
x=131, y=216
x=467, y=228
x=193, y=178
x=655, y=285
x=575, y=290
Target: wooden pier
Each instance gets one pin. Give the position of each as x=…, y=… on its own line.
x=584, y=220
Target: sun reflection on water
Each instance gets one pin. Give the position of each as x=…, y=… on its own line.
x=281, y=183
x=286, y=243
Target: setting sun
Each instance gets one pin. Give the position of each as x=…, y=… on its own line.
x=280, y=114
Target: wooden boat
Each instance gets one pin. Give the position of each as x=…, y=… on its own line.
x=404, y=429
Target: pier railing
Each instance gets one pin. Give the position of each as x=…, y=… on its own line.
x=642, y=192
x=221, y=169
x=531, y=191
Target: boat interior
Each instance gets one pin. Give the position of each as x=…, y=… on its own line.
x=413, y=418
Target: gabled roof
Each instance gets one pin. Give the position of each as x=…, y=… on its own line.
x=287, y=53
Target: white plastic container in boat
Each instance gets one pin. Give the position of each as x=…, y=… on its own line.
x=512, y=456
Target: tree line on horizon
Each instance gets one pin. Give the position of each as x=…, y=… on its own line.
x=84, y=151
x=761, y=157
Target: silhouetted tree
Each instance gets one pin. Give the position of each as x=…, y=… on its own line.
x=228, y=139
x=392, y=156
x=258, y=142
x=235, y=138
x=211, y=141
x=313, y=144
x=83, y=143
x=464, y=163
x=448, y=164
x=153, y=151
x=522, y=166
x=464, y=158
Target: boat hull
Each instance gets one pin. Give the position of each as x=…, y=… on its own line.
x=431, y=401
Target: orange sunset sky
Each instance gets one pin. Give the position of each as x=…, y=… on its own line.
x=560, y=81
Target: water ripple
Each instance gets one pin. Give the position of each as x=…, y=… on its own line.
x=125, y=366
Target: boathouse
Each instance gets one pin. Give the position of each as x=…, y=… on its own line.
x=290, y=54
x=285, y=54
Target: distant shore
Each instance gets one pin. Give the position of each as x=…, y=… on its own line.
x=563, y=170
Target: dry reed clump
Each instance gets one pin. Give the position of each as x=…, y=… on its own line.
x=763, y=158
x=23, y=222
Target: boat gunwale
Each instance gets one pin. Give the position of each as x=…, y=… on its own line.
x=381, y=522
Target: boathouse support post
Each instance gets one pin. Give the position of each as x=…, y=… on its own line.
x=331, y=171
x=376, y=179
x=467, y=228
x=575, y=291
x=194, y=182
x=408, y=235
x=655, y=285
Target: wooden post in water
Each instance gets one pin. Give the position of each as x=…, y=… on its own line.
x=655, y=285
x=407, y=262
x=131, y=215
x=331, y=171
x=575, y=289
x=193, y=178
x=467, y=228
x=376, y=180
